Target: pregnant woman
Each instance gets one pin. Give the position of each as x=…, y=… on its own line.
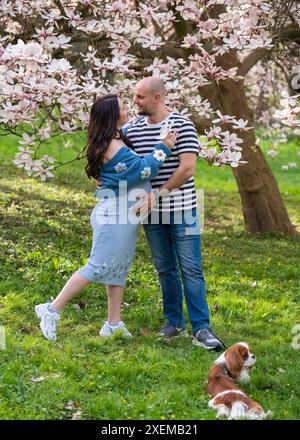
x=124, y=176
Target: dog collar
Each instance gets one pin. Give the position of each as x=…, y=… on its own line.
x=226, y=371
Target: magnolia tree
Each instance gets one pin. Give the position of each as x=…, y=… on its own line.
x=273, y=84
x=56, y=56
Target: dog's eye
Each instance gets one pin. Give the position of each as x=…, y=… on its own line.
x=245, y=355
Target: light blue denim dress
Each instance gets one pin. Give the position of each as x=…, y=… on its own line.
x=115, y=226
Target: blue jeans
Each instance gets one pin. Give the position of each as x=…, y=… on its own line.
x=176, y=250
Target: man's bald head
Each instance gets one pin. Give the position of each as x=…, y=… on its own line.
x=150, y=94
x=153, y=85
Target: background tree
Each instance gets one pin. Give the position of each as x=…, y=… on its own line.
x=56, y=56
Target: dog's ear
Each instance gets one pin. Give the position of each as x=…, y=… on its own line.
x=234, y=361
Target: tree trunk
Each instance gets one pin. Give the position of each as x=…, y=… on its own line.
x=263, y=207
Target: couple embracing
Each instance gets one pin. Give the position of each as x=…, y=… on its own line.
x=153, y=159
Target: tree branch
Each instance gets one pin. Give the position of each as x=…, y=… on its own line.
x=60, y=6
x=289, y=33
x=250, y=60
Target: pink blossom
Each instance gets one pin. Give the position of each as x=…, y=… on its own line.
x=230, y=141
x=59, y=66
x=240, y=125
x=222, y=118
x=44, y=173
x=106, y=48
x=27, y=140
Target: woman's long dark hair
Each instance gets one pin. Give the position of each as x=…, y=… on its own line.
x=102, y=128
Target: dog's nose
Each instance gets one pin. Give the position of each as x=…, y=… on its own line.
x=252, y=355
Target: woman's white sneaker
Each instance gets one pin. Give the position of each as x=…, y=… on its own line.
x=108, y=330
x=48, y=321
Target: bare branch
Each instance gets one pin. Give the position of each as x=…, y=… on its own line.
x=250, y=60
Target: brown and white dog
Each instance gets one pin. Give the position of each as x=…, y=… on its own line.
x=229, y=401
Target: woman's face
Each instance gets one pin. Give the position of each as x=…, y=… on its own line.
x=124, y=117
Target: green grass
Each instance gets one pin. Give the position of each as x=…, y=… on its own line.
x=252, y=290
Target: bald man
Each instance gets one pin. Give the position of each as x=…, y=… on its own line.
x=172, y=228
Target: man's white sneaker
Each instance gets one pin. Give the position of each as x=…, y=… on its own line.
x=48, y=321
x=108, y=330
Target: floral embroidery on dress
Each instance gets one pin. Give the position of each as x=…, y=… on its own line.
x=146, y=172
x=159, y=155
x=120, y=167
x=114, y=269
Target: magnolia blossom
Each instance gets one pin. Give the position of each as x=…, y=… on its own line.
x=44, y=133
x=230, y=141
x=203, y=107
x=240, y=125
x=273, y=153
x=235, y=41
x=48, y=159
x=44, y=33
x=150, y=41
x=222, y=118
x=235, y=157
x=288, y=116
x=191, y=41
x=30, y=52
x=214, y=132
x=119, y=48
x=59, y=66
x=189, y=10
x=207, y=28
x=44, y=173
x=53, y=42
x=115, y=7
x=51, y=74
x=27, y=140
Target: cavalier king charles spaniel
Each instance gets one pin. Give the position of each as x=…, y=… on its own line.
x=227, y=399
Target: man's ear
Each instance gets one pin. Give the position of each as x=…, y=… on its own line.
x=157, y=97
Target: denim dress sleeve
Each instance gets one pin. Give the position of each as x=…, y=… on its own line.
x=127, y=166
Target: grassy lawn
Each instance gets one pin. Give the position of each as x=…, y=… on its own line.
x=252, y=290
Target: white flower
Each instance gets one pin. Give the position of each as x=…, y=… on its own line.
x=45, y=133
x=153, y=43
x=32, y=50
x=213, y=132
x=44, y=173
x=59, y=66
x=190, y=41
x=53, y=42
x=273, y=153
x=29, y=51
x=27, y=140
x=230, y=140
x=165, y=129
x=240, y=124
x=188, y=10
x=235, y=41
x=47, y=158
x=120, y=167
x=235, y=157
x=146, y=172
x=222, y=118
x=159, y=155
